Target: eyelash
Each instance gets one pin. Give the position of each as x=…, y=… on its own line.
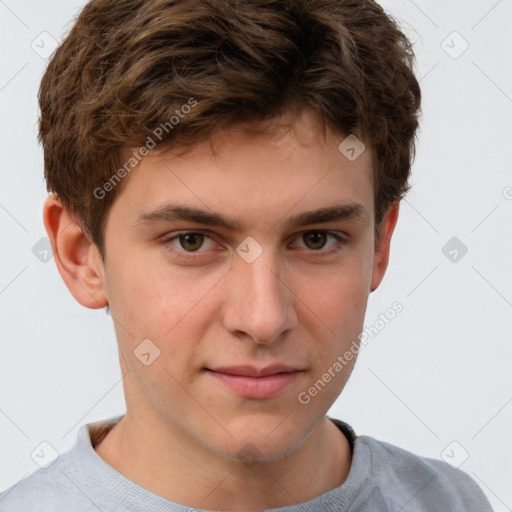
x=193, y=255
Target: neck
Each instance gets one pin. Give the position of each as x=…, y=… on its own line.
x=172, y=467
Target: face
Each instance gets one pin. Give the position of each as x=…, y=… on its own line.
x=248, y=304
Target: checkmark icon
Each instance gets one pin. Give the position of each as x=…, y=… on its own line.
x=249, y=250
x=146, y=352
x=351, y=147
x=454, y=249
x=44, y=454
x=44, y=44
x=454, y=45
x=455, y=454
x=42, y=250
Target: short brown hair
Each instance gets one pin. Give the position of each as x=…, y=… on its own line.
x=129, y=66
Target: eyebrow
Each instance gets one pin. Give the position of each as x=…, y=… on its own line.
x=174, y=212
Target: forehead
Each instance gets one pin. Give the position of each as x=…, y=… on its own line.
x=257, y=177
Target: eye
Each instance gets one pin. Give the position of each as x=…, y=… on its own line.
x=190, y=241
x=189, y=244
x=318, y=239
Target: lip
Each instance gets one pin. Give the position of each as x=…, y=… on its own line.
x=252, y=371
x=256, y=383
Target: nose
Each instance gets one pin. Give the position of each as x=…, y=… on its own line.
x=259, y=302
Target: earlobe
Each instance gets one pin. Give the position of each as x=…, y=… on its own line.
x=76, y=257
x=382, y=247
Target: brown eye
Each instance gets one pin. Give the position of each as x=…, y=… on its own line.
x=319, y=241
x=190, y=244
x=191, y=241
x=315, y=239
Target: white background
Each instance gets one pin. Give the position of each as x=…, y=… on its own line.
x=439, y=372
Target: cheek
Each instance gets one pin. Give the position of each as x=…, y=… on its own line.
x=333, y=313
x=339, y=297
x=171, y=309
x=156, y=296
x=343, y=311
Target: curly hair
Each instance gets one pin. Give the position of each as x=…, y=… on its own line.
x=128, y=69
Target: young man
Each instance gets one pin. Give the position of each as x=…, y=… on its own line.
x=225, y=178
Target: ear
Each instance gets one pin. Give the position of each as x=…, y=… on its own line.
x=382, y=245
x=77, y=258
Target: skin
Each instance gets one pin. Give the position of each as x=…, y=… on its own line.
x=184, y=432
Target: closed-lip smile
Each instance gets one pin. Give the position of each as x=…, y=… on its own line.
x=256, y=383
x=251, y=371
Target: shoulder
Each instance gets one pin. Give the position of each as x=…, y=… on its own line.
x=423, y=483
x=50, y=488
x=70, y=482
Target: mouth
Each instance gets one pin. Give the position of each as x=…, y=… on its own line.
x=255, y=383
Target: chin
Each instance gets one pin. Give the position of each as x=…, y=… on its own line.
x=264, y=439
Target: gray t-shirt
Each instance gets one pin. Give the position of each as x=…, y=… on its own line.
x=382, y=478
